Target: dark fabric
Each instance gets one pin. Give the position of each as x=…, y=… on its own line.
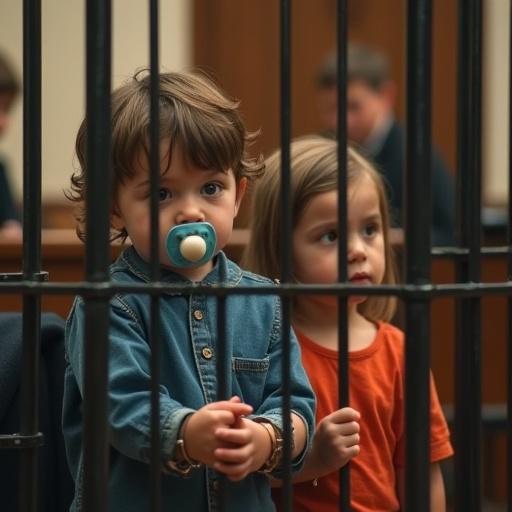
x=55, y=483
x=390, y=160
x=7, y=208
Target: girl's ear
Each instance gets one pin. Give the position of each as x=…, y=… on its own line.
x=240, y=192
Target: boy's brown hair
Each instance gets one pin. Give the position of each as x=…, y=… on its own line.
x=363, y=64
x=314, y=170
x=194, y=113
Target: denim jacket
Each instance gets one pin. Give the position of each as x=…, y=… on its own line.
x=188, y=381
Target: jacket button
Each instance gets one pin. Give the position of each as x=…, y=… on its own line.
x=198, y=315
x=207, y=352
x=216, y=485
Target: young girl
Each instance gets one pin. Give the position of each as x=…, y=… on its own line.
x=376, y=347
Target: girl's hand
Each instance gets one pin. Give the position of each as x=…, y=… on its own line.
x=244, y=448
x=200, y=431
x=336, y=440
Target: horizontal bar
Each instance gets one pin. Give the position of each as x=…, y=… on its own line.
x=15, y=277
x=463, y=252
x=18, y=441
x=407, y=291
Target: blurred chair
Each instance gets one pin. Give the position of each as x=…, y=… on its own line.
x=55, y=482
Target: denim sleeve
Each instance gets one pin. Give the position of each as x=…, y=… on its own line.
x=302, y=398
x=129, y=383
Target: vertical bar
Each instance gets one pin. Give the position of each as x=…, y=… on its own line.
x=468, y=358
x=343, y=361
x=223, y=362
x=29, y=424
x=97, y=253
x=154, y=341
x=286, y=255
x=223, y=370
x=417, y=255
x=509, y=301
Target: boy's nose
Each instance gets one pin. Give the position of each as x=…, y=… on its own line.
x=189, y=212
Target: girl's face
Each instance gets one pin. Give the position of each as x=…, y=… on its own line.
x=315, y=239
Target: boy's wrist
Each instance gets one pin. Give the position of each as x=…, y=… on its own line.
x=275, y=436
x=182, y=462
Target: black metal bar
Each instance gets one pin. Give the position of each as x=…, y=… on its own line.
x=155, y=474
x=417, y=255
x=286, y=241
x=29, y=414
x=406, y=292
x=97, y=252
x=467, y=370
x=20, y=442
x=509, y=301
x=343, y=361
x=223, y=370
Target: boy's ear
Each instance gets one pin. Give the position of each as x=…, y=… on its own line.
x=115, y=218
x=240, y=192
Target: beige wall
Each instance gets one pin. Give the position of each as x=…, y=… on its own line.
x=63, y=61
x=496, y=102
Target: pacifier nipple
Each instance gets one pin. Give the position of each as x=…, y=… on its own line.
x=193, y=248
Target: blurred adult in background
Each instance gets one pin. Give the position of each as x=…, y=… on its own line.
x=372, y=126
x=10, y=226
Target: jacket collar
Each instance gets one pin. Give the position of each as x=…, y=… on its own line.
x=223, y=267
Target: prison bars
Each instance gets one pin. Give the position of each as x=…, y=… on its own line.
x=417, y=290
x=97, y=255
x=155, y=474
x=468, y=361
x=509, y=302
x=29, y=418
x=417, y=255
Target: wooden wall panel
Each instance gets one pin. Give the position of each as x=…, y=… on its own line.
x=239, y=43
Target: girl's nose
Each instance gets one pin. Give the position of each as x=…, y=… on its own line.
x=356, y=249
x=188, y=212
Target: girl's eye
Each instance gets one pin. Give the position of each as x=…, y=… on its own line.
x=329, y=237
x=211, y=189
x=164, y=194
x=370, y=229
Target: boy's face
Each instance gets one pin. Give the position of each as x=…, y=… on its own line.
x=187, y=194
x=6, y=102
x=366, y=109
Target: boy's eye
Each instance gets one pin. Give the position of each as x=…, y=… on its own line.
x=211, y=189
x=164, y=194
x=329, y=237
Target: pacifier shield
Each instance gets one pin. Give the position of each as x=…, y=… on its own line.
x=191, y=245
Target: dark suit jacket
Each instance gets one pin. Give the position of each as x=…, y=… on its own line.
x=390, y=160
x=7, y=208
x=55, y=490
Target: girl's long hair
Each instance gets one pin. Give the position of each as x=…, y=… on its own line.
x=314, y=170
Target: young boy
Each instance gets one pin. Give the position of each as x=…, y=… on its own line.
x=204, y=174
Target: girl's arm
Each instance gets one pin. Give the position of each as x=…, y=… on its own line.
x=437, y=496
x=335, y=442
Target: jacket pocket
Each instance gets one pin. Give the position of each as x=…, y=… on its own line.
x=249, y=376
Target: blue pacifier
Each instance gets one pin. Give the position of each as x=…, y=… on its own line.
x=191, y=245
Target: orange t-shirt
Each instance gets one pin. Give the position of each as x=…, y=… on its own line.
x=377, y=392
